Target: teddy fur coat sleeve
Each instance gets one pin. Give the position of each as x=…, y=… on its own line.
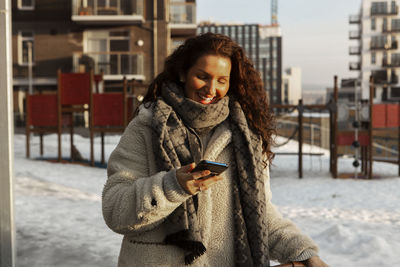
x=136, y=198
x=286, y=241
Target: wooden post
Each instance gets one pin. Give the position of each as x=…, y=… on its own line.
x=335, y=128
x=91, y=120
x=27, y=126
x=125, y=99
x=59, y=114
x=331, y=140
x=41, y=144
x=7, y=225
x=300, y=120
x=71, y=134
x=370, y=132
x=102, y=148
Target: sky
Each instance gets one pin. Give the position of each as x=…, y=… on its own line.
x=314, y=32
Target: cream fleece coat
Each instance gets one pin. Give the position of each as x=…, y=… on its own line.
x=137, y=200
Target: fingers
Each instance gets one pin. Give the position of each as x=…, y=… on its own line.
x=194, y=182
x=188, y=168
x=200, y=174
x=204, y=184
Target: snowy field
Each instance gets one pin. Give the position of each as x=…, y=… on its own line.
x=59, y=222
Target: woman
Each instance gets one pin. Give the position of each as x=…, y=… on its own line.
x=208, y=103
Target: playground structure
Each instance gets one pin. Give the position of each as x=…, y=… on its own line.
x=106, y=112
x=373, y=118
x=110, y=113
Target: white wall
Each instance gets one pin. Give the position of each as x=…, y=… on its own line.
x=292, y=76
x=7, y=227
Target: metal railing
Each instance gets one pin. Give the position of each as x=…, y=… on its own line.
x=354, y=66
x=392, y=63
x=383, y=46
x=182, y=13
x=355, y=34
x=382, y=77
x=107, y=7
x=355, y=50
x=384, y=11
x=113, y=63
x=392, y=29
x=355, y=19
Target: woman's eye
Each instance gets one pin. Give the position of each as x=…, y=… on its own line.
x=201, y=77
x=222, y=81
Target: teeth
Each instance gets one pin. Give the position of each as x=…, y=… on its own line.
x=207, y=98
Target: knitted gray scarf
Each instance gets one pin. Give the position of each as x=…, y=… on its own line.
x=175, y=122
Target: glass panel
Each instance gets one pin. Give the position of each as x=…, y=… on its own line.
x=119, y=33
x=97, y=34
x=25, y=52
x=182, y=13
x=126, y=68
x=97, y=45
x=27, y=34
x=103, y=63
x=114, y=62
x=27, y=3
x=101, y=3
x=119, y=45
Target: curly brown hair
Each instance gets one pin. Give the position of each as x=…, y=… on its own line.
x=245, y=81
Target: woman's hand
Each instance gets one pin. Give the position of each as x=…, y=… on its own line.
x=192, y=182
x=315, y=261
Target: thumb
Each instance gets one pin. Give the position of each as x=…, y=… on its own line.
x=188, y=168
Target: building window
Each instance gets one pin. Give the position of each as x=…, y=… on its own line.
x=378, y=41
x=26, y=4
x=373, y=58
x=395, y=92
x=393, y=7
x=384, y=25
x=24, y=39
x=379, y=8
x=395, y=24
x=111, y=53
x=373, y=24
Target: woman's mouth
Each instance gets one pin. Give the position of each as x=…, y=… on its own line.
x=205, y=99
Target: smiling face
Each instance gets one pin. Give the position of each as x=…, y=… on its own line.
x=207, y=81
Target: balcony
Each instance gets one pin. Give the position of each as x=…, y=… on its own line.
x=355, y=35
x=386, y=29
x=382, y=78
x=384, y=11
x=355, y=50
x=394, y=63
x=355, y=19
x=107, y=12
x=354, y=66
x=383, y=46
x=182, y=18
x=114, y=65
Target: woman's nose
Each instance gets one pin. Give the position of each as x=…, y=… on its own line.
x=211, y=88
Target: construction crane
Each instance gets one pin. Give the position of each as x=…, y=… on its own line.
x=274, y=12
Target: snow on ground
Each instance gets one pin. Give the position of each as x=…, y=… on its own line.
x=59, y=223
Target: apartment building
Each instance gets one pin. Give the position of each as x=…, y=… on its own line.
x=375, y=50
x=121, y=38
x=291, y=86
x=263, y=45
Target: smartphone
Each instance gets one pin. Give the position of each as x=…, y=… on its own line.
x=215, y=168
